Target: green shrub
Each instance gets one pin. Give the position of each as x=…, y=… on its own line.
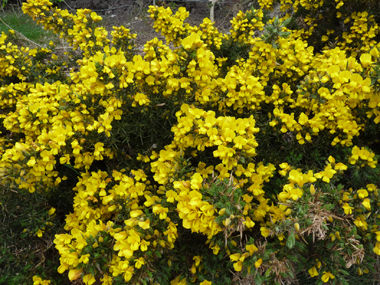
x=229, y=158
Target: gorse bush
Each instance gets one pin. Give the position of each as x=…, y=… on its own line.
x=242, y=157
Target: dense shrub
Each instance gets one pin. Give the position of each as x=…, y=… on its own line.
x=241, y=157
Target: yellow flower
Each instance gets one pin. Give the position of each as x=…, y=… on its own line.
x=144, y=245
x=161, y=211
x=31, y=162
x=197, y=260
x=40, y=233
x=140, y=99
x=295, y=193
x=376, y=249
x=264, y=231
x=135, y=213
x=340, y=166
x=171, y=195
x=238, y=266
x=371, y=187
x=360, y=222
x=362, y=193
x=367, y=204
x=110, y=86
x=326, y=276
x=74, y=274
x=206, y=283
x=106, y=280
x=139, y=262
x=365, y=59
x=285, y=168
x=89, y=279
x=313, y=272
x=347, y=209
x=258, y=263
x=38, y=281
x=128, y=273
x=303, y=119
x=251, y=248
x=144, y=225
x=327, y=174
x=193, y=269
x=178, y=280
x=51, y=211
x=196, y=181
x=215, y=249
x=296, y=177
x=249, y=223
x=84, y=258
x=312, y=189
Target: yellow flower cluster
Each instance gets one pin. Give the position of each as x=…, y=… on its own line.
x=122, y=38
x=155, y=49
x=9, y=53
x=359, y=28
x=18, y=62
x=79, y=30
x=363, y=157
x=291, y=60
x=308, y=5
x=328, y=96
x=244, y=25
x=171, y=26
x=232, y=137
x=356, y=203
x=362, y=33
x=95, y=202
x=210, y=34
x=266, y=4
x=10, y=94
x=174, y=29
x=195, y=213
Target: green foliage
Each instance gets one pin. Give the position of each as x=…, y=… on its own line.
x=272, y=32
x=23, y=252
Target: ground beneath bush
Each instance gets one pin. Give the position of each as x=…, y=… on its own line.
x=133, y=14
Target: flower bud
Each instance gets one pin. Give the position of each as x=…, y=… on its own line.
x=312, y=189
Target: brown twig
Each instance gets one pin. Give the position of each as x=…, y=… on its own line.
x=65, y=47
x=68, y=5
x=220, y=25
